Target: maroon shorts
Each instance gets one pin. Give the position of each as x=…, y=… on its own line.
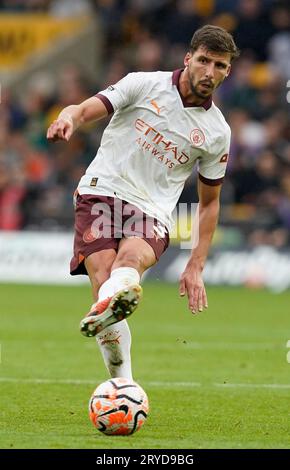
x=102, y=221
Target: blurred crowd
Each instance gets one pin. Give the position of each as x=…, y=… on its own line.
x=37, y=178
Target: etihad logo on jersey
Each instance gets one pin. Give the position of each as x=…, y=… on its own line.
x=157, y=139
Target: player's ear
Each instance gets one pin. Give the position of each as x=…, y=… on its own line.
x=229, y=70
x=187, y=58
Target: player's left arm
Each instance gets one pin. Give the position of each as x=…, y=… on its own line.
x=191, y=282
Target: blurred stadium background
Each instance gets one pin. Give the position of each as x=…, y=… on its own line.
x=55, y=53
x=232, y=360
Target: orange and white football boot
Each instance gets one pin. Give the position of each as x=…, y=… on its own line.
x=111, y=310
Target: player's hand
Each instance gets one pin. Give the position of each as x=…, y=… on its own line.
x=61, y=129
x=191, y=283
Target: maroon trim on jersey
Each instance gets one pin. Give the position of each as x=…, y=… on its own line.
x=210, y=182
x=106, y=102
x=175, y=81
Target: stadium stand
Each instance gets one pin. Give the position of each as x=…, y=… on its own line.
x=37, y=179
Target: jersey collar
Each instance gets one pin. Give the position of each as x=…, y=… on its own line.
x=175, y=81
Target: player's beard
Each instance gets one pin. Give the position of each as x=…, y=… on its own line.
x=194, y=88
x=197, y=92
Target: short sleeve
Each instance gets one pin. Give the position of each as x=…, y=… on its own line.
x=123, y=93
x=212, y=166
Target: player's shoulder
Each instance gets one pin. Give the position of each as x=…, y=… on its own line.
x=154, y=77
x=220, y=120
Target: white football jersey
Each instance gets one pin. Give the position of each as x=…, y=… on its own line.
x=152, y=143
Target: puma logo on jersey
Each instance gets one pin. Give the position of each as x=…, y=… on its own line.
x=155, y=105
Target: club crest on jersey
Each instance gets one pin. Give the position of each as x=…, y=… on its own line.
x=197, y=137
x=90, y=235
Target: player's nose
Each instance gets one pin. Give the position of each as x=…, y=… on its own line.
x=209, y=73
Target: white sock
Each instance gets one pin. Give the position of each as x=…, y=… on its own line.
x=119, y=279
x=115, y=340
x=115, y=345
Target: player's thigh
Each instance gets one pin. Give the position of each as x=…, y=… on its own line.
x=98, y=266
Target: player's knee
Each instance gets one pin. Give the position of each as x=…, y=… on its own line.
x=129, y=259
x=99, y=266
x=102, y=270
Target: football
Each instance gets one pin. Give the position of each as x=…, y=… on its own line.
x=118, y=407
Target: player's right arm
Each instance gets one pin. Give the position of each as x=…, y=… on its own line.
x=97, y=107
x=73, y=116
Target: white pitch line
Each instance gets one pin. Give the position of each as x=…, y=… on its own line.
x=248, y=385
x=230, y=346
x=48, y=381
x=173, y=384
x=165, y=384
x=91, y=382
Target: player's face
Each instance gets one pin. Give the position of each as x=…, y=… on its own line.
x=206, y=70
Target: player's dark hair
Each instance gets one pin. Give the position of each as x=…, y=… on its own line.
x=214, y=39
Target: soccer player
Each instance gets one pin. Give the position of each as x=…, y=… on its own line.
x=163, y=124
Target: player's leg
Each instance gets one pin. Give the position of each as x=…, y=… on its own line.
x=134, y=254
x=122, y=292
x=133, y=258
x=115, y=341
x=94, y=253
x=98, y=266
x=119, y=296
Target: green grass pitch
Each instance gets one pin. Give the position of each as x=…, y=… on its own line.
x=216, y=380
